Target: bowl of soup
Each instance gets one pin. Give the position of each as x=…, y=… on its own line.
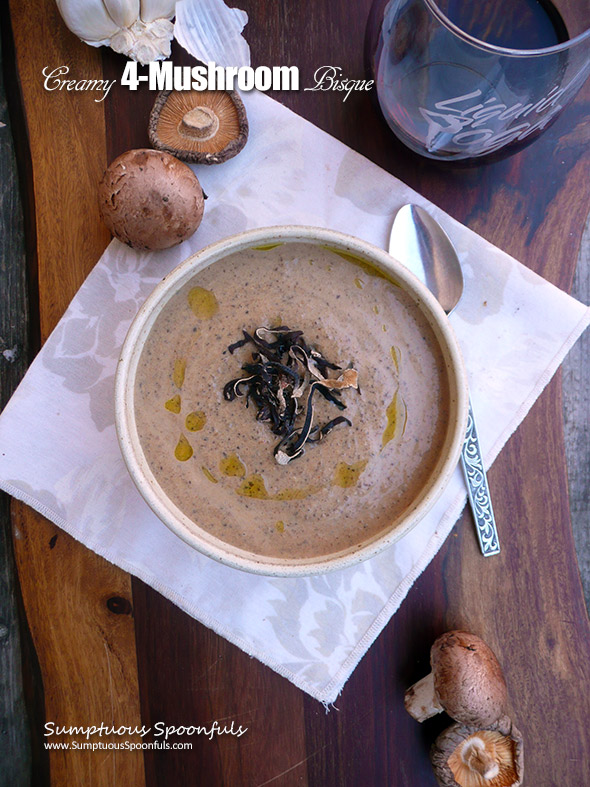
x=290, y=401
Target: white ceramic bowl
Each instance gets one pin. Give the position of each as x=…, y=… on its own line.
x=168, y=511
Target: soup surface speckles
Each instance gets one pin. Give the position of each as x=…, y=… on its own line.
x=345, y=489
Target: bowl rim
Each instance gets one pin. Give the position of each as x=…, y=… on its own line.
x=172, y=516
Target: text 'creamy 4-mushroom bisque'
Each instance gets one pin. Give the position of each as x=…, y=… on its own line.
x=484, y=748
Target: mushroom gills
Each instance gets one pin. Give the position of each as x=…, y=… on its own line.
x=200, y=126
x=484, y=759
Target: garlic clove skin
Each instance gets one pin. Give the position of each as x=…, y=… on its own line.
x=89, y=20
x=210, y=30
x=123, y=12
x=157, y=9
x=140, y=31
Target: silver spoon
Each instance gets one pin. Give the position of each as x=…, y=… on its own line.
x=421, y=244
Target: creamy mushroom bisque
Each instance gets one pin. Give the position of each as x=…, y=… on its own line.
x=215, y=461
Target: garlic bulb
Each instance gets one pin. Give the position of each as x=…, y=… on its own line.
x=140, y=29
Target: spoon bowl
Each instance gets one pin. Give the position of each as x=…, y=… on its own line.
x=424, y=247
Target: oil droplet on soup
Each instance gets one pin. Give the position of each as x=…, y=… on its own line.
x=203, y=303
x=296, y=494
x=280, y=526
x=358, y=283
x=183, y=450
x=232, y=466
x=209, y=475
x=195, y=421
x=397, y=418
x=348, y=475
x=179, y=370
x=267, y=246
x=173, y=404
x=253, y=486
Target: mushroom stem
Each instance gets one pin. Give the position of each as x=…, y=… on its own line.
x=476, y=756
x=199, y=123
x=421, y=701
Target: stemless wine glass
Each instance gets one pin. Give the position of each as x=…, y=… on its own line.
x=465, y=79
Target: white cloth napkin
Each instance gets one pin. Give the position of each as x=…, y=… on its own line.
x=59, y=451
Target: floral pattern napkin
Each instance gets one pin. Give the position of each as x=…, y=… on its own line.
x=514, y=328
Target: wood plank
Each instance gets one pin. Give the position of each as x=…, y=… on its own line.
x=576, y=411
x=202, y=678
x=86, y=649
x=529, y=602
x=14, y=734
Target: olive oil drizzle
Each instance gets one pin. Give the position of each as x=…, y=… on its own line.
x=195, y=421
x=179, y=371
x=209, y=475
x=347, y=475
x=183, y=450
x=267, y=246
x=397, y=419
x=232, y=466
x=203, y=303
x=254, y=486
x=396, y=413
x=173, y=404
x=364, y=265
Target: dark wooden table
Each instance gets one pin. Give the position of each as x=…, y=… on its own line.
x=106, y=647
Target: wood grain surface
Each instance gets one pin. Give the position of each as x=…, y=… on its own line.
x=527, y=603
x=85, y=647
x=576, y=412
x=14, y=732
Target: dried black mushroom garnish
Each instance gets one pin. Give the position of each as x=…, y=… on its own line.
x=283, y=373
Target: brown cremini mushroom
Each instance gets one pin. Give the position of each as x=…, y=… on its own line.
x=200, y=126
x=466, y=681
x=150, y=200
x=472, y=756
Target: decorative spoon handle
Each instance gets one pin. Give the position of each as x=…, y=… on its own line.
x=478, y=490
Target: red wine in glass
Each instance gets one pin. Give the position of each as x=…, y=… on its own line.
x=447, y=96
x=516, y=24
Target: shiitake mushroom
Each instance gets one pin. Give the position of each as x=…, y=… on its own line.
x=199, y=126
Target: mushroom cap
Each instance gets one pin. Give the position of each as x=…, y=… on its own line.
x=445, y=753
x=150, y=200
x=200, y=126
x=468, y=679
